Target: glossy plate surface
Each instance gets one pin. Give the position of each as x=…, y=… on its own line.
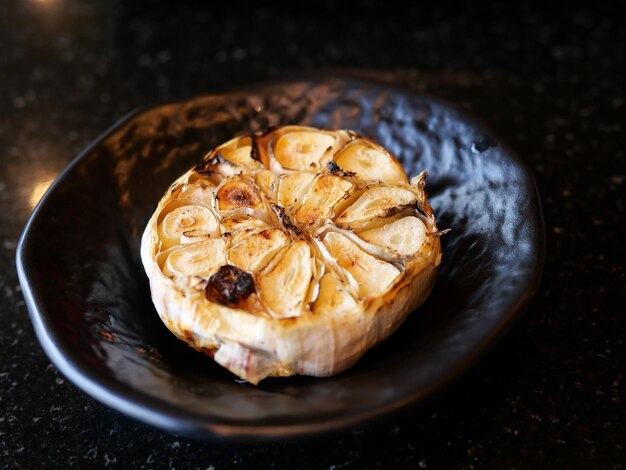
x=89, y=300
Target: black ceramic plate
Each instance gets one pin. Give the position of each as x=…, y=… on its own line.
x=88, y=296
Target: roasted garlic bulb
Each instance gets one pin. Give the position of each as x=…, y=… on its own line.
x=291, y=251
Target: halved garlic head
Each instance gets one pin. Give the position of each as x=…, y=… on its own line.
x=291, y=251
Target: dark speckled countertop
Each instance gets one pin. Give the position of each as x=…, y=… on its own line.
x=550, y=82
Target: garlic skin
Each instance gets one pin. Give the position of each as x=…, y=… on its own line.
x=291, y=252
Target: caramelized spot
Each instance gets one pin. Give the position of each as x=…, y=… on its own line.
x=321, y=200
x=336, y=170
x=235, y=194
x=207, y=164
x=284, y=219
x=254, y=153
x=230, y=286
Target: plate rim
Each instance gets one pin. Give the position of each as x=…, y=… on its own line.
x=163, y=415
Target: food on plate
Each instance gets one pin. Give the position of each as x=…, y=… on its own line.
x=291, y=251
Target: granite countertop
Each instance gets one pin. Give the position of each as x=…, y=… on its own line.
x=551, y=84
